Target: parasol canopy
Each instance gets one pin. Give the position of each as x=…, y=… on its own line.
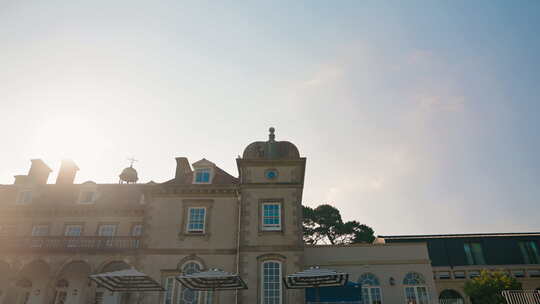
x=129, y=280
x=316, y=277
x=213, y=279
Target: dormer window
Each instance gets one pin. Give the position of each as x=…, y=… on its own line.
x=202, y=176
x=25, y=197
x=87, y=197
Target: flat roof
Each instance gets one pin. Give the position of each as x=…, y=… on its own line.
x=463, y=235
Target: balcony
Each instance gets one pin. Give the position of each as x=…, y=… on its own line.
x=70, y=244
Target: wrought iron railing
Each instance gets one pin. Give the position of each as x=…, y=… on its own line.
x=70, y=243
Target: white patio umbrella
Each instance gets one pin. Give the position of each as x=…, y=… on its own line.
x=129, y=280
x=315, y=277
x=211, y=280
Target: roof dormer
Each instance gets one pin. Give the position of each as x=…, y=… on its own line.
x=204, y=172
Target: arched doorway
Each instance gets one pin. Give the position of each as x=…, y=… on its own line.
x=450, y=296
x=33, y=282
x=72, y=283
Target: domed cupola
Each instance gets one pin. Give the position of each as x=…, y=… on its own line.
x=271, y=149
x=129, y=175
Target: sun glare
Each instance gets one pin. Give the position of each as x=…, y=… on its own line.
x=66, y=136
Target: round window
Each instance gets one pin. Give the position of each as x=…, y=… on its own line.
x=271, y=173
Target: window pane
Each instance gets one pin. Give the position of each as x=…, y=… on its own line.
x=189, y=296
x=73, y=230
x=40, y=230
x=410, y=295
x=169, y=290
x=478, y=254
x=271, y=282
x=468, y=254
x=271, y=216
x=196, y=219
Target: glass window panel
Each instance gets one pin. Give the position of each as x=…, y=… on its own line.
x=169, y=290
x=196, y=219
x=202, y=175
x=40, y=230
x=189, y=296
x=271, y=282
x=271, y=216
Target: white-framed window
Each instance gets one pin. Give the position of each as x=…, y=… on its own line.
x=196, y=219
x=202, y=175
x=87, y=196
x=169, y=290
x=107, y=230
x=25, y=197
x=40, y=230
x=271, y=216
x=271, y=289
x=371, y=289
x=416, y=291
x=73, y=230
x=189, y=296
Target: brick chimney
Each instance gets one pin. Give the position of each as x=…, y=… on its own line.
x=68, y=170
x=182, y=168
x=39, y=172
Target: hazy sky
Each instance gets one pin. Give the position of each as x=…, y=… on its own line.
x=415, y=117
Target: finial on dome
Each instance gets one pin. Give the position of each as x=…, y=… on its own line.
x=129, y=175
x=271, y=136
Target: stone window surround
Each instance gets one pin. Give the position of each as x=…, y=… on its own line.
x=260, y=216
x=267, y=258
x=191, y=203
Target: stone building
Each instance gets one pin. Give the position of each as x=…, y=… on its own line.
x=53, y=236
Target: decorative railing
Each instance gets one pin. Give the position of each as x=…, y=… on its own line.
x=65, y=243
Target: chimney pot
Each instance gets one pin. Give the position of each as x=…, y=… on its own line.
x=68, y=170
x=39, y=172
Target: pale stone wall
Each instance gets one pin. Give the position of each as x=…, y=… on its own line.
x=384, y=261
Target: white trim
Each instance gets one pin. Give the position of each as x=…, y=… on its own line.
x=188, y=219
x=271, y=227
x=279, y=280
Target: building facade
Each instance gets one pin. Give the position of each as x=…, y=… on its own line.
x=54, y=235
x=459, y=257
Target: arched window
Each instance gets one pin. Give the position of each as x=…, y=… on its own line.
x=189, y=296
x=415, y=289
x=271, y=282
x=371, y=289
x=450, y=296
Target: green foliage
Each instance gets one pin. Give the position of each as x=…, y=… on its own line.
x=325, y=225
x=488, y=287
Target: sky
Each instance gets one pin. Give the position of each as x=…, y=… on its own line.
x=416, y=117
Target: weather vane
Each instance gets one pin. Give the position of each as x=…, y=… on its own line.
x=131, y=161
